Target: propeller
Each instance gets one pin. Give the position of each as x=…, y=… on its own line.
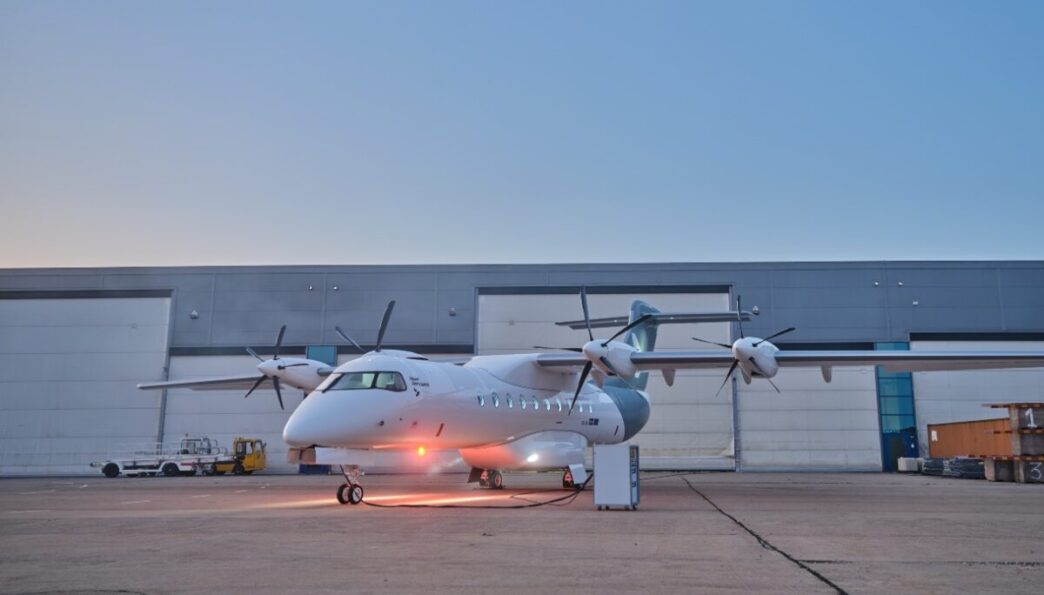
x=275, y=357
x=604, y=360
x=736, y=348
x=380, y=333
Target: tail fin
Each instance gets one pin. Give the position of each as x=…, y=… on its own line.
x=642, y=338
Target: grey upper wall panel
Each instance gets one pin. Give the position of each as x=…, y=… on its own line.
x=636, y=276
x=248, y=281
x=56, y=281
x=836, y=297
x=472, y=279
x=1021, y=277
x=409, y=281
x=944, y=297
x=827, y=301
x=267, y=300
x=203, y=282
x=1022, y=297
x=920, y=277
x=839, y=277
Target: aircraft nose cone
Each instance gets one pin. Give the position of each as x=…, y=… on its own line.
x=297, y=432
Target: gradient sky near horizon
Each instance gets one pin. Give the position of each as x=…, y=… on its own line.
x=203, y=133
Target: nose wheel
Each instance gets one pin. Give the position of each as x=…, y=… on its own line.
x=350, y=492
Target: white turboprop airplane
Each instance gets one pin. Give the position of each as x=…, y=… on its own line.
x=536, y=410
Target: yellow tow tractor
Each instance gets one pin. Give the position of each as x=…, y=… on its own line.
x=248, y=455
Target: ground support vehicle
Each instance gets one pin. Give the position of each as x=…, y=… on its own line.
x=186, y=457
x=248, y=455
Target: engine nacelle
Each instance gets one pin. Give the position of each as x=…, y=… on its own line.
x=617, y=353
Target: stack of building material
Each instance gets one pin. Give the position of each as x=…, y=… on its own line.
x=964, y=468
x=932, y=466
x=1024, y=460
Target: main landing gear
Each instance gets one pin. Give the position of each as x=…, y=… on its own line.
x=567, y=481
x=492, y=479
x=350, y=492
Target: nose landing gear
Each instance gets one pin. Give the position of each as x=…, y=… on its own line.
x=350, y=492
x=492, y=479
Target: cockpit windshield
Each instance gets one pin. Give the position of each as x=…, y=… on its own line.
x=366, y=380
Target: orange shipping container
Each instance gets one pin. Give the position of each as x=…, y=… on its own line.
x=969, y=438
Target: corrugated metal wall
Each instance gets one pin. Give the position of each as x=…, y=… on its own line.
x=68, y=369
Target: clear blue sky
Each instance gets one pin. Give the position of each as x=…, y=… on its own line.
x=148, y=133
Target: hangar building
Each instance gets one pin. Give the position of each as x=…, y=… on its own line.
x=74, y=342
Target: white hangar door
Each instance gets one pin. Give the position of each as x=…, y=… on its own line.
x=941, y=397
x=68, y=370
x=690, y=427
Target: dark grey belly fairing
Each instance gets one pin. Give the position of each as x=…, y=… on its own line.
x=634, y=409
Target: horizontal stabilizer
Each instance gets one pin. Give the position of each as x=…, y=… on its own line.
x=662, y=318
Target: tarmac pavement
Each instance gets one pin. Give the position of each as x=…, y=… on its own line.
x=692, y=533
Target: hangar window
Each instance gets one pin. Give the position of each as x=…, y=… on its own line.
x=365, y=380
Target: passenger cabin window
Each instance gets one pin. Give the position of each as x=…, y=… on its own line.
x=392, y=381
x=496, y=400
x=547, y=404
x=559, y=403
x=536, y=405
x=522, y=402
x=481, y=401
x=510, y=403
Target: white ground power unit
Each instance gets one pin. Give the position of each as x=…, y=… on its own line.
x=616, y=476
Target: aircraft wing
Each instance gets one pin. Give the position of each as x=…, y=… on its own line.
x=893, y=361
x=222, y=383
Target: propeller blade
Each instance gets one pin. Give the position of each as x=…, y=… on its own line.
x=256, y=384
x=279, y=342
x=728, y=375
x=576, y=349
x=587, y=315
x=630, y=326
x=384, y=325
x=279, y=393
x=580, y=385
x=773, y=385
x=712, y=343
x=782, y=332
x=739, y=318
x=254, y=353
x=345, y=336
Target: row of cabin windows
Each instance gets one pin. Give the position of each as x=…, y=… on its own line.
x=524, y=403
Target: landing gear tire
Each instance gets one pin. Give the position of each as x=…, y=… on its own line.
x=567, y=481
x=237, y=469
x=170, y=469
x=110, y=470
x=349, y=493
x=496, y=480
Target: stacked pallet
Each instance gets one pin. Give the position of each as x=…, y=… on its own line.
x=1024, y=462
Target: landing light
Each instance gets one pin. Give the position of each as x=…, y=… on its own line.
x=421, y=450
x=533, y=458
